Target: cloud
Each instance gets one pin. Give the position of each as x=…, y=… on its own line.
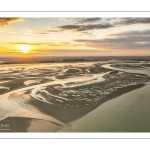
x=71, y=19
x=118, y=21
x=81, y=20
x=7, y=21
x=84, y=27
x=131, y=21
x=25, y=43
x=38, y=44
x=45, y=31
x=89, y=20
x=132, y=40
x=132, y=33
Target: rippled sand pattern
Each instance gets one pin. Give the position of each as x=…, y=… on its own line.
x=62, y=92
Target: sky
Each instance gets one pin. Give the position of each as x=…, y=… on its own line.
x=74, y=37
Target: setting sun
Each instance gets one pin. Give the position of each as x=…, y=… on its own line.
x=24, y=48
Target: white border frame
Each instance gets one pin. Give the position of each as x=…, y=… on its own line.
x=80, y=135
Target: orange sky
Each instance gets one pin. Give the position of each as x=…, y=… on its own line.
x=74, y=36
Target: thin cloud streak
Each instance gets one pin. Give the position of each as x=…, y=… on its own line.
x=81, y=20
x=83, y=29
x=132, y=21
x=132, y=33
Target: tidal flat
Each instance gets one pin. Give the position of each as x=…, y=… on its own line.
x=62, y=96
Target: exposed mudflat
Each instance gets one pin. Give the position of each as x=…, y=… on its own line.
x=46, y=97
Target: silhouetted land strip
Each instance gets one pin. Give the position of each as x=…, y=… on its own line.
x=64, y=59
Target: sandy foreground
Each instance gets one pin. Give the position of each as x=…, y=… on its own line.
x=22, y=124
x=86, y=123
x=126, y=113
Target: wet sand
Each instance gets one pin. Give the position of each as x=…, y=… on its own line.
x=68, y=114
x=56, y=107
x=21, y=124
x=126, y=113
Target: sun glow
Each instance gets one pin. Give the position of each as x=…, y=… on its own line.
x=24, y=48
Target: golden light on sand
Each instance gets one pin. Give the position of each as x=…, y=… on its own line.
x=24, y=48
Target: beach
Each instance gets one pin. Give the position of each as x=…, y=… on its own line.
x=126, y=113
x=77, y=97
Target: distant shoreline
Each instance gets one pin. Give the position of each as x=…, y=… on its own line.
x=65, y=59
